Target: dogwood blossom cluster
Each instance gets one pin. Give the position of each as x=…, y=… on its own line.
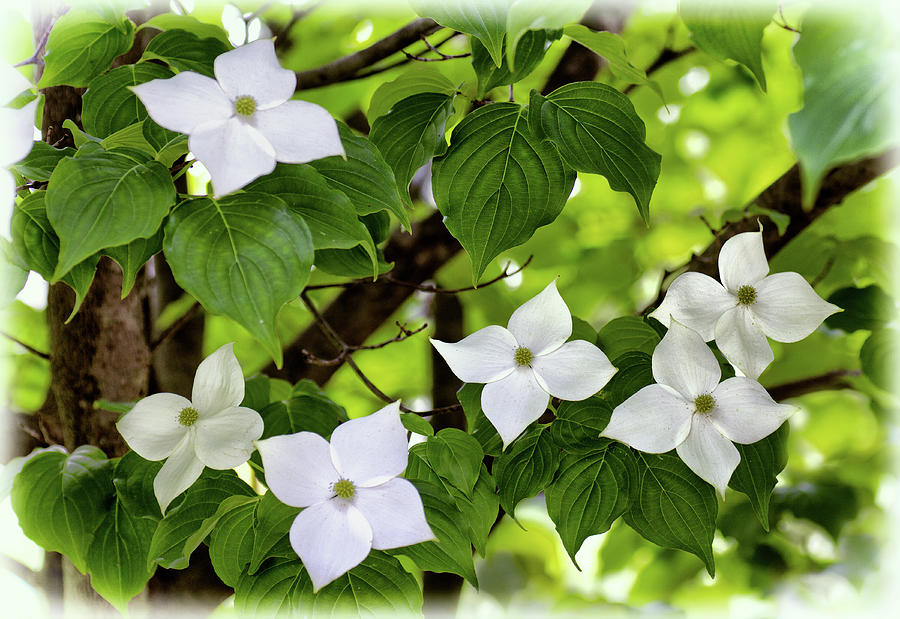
x=242, y=122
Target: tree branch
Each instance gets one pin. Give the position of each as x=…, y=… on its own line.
x=836, y=379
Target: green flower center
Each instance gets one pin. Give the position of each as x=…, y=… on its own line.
x=523, y=356
x=704, y=403
x=746, y=295
x=188, y=416
x=344, y=488
x=245, y=106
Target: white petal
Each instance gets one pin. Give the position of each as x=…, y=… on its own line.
x=696, y=301
x=299, y=131
x=742, y=342
x=225, y=439
x=745, y=412
x=7, y=200
x=152, y=428
x=178, y=473
x=684, y=362
x=298, y=468
x=542, y=323
x=654, y=420
x=574, y=371
x=12, y=83
x=253, y=70
x=510, y=404
x=482, y=357
x=17, y=129
x=331, y=538
x=234, y=153
x=709, y=454
x=395, y=513
x=787, y=308
x=184, y=102
x=372, y=449
x=742, y=261
x=218, y=383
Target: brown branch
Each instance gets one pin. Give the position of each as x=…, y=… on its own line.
x=175, y=327
x=836, y=379
x=349, y=67
x=402, y=335
x=33, y=351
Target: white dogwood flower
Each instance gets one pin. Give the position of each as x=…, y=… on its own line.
x=690, y=411
x=17, y=129
x=210, y=429
x=526, y=363
x=352, y=496
x=747, y=306
x=242, y=122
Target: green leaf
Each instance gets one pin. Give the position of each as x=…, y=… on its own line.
x=133, y=256
x=82, y=45
x=755, y=474
x=420, y=79
x=231, y=533
x=176, y=536
x=36, y=243
x=128, y=140
x=482, y=19
x=105, y=199
x=456, y=457
x=169, y=146
x=526, y=469
x=479, y=511
x=257, y=390
x=879, y=359
x=578, y=424
x=273, y=522
x=611, y=46
x=59, y=500
x=847, y=101
x=864, y=308
x=109, y=105
x=672, y=507
x=627, y=334
x=416, y=424
x=597, y=130
x=525, y=15
x=308, y=409
x=12, y=274
x=498, y=183
x=186, y=51
x=41, y=161
x=363, y=176
x=329, y=213
x=354, y=262
x=170, y=21
x=582, y=330
x=589, y=492
x=731, y=31
x=379, y=586
x=635, y=371
x=469, y=396
x=243, y=256
x=529, y=54
x=81, y=139
x=412, y=133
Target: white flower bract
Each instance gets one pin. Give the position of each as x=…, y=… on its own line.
x=349, y=488
x=242, y=122
x=210, y=429
x=527, y=363
x=747, y=306
x=17, y=129
x=690, y=411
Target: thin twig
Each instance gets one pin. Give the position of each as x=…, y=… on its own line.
x=824, y=272
x=399, y=63
x=175, y=327
x=666, y=55
x=30, y=349
x=434, y=48
x=783, y=23
x=402, y=335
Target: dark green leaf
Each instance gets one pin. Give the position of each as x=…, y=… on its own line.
x=597, y=130
x=635, y=371
x=185, y=51
x=417, y=80
x=526, y=15
x=133, y=256
x=244, y=256
x=879, y=359
x=485, y=21
x=526, y=469
x=41, y=161
x=582, y=330
x=529, y=53
x=672, y=507
x=109, y=105
x=231, y=533
x=479, y=511
x=755, y=474
x=626, y=334
x=589, y=492
x=864, y=308
x=578, y=425
x=256, y=392
x=456, y=457
x=498, y=183
x=355, y=262
x=273, y=521
x=169, y=146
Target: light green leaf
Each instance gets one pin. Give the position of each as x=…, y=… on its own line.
x=589, y=492
x=525, y=15
x=529, y=53
x=82, y=45
x=12, y=274
x=416, y=424
x=755, y=474
x=597, y=130
x=456, y=457
x=81, y=138
x=526, y=469
x=243, y=256
x=878, y=357
x=420, y=79
x=106, y=199
x=132, y=138
x=611, y=46
x=578, y=424
x=412, y=133
x=498, y=183
x=483, y=19
x=627, y=334
x=109, y=105
x=170, y=21
x=41, y=161
x=133, y=256
x=847, y=104
x=185, y=51
x=672, y=507
x=169, y=145
x=730, y=30
x=60, y=499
